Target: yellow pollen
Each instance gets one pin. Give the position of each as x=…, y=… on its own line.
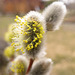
x=12, y=44
x=17, y=16
x=15, y=19
x=25, y=41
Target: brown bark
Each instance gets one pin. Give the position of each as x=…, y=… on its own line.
x=30, y=65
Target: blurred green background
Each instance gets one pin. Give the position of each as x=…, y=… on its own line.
x=60, y=44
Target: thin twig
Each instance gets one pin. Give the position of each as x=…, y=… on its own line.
x=30, y=65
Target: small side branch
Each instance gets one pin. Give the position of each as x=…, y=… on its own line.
x=30, y=65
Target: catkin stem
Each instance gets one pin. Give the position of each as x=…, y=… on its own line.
x=11, y=59
x=30, y=65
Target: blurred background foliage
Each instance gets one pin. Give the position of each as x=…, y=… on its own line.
x=60, y=44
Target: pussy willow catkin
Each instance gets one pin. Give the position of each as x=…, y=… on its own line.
x=33, y=33
x=19, y=65
x=54, y=15
x=9, y=34
x=9, y=52
x=30, y=32
x=41, y=67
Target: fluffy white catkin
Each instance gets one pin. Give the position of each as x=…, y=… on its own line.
x=41, y=67
x=54, y=15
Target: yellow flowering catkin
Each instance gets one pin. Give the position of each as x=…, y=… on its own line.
x=9, y=34
x=17, y=67
x=33, y=34
x=9, y=52
x=30, y=31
